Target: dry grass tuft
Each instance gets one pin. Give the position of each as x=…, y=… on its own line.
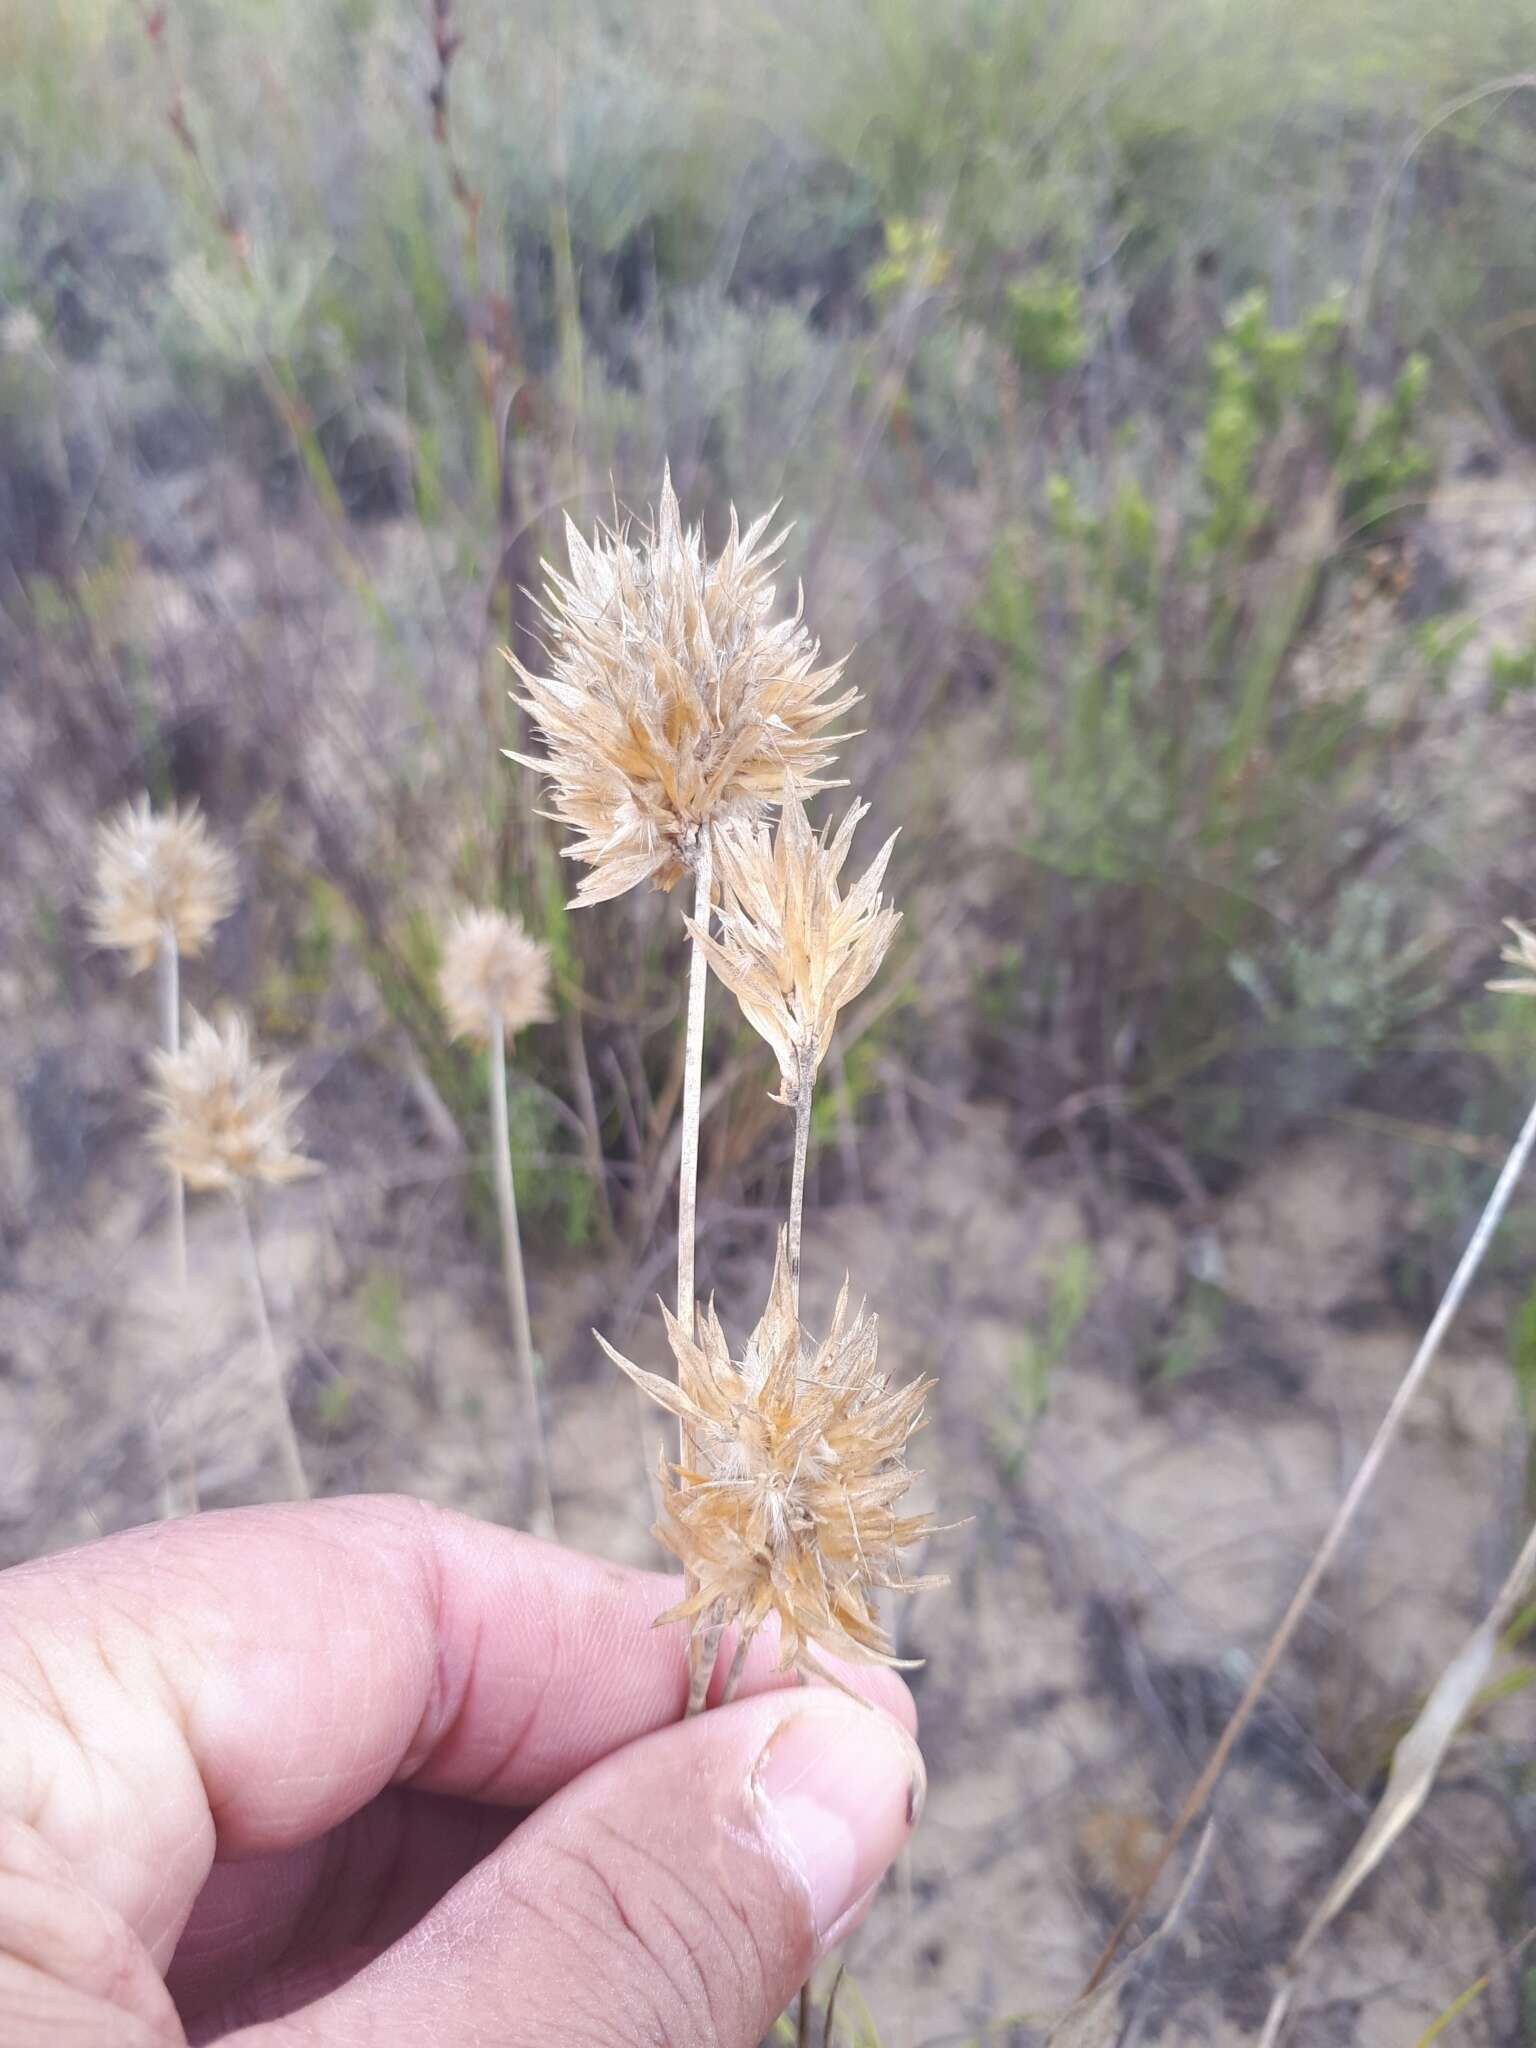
x=491, y=966
x=791, y=1508
x=792, y=949
x=1521, y=954
x=222, y=1118
x=157, y=877
x=675, y=701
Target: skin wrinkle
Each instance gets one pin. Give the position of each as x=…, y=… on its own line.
x=500, y=1655
x=687, y=1943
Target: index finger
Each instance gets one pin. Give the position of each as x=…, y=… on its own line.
x=241, y=1682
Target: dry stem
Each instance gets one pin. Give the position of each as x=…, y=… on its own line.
x=693, y=1081
x=701, y=1656
x=287, y=1437
x=1349, y=1507
x=169, y=976
x=541, y=1512
x=804, y=1086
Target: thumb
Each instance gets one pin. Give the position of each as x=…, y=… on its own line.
x=675, y=1895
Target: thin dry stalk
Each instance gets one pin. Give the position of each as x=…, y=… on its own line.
x=803, y=1091
x=1328, y=1549
x=541, y=1512
x=702, y=1648
x=693, y=1083
x=169, y=974
x=294, y=1476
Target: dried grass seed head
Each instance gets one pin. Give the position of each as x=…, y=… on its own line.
x=800, y=1451
x=675, y=701
x=492, y=966
x=791, y=947
x=1522, y=954
x=222, y=1117
x=157, y=874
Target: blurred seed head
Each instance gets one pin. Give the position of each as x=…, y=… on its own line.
x=675, y=701
x=222, y=1118
x=491, y=965
x=1521, y=954
x=801, y=1462
x=159, y=874
x=791, y=947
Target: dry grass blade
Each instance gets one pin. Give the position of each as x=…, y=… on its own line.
x=1096, y=2021
x=1415, y=1764
x=1338, y=1529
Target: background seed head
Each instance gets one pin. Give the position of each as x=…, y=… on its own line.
x=223, y=1118
x=491, y=965
x=675, y=700
x=159, y=873
x=1522, y=954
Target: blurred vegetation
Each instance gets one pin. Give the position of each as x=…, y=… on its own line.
x=1107, y=342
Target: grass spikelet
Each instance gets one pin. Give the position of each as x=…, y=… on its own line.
x=1522, y=954
x=791, y=948
x=223, y=1118
x=675, y=700
x=791, y=1506
x=159, y=878
x=491, y=967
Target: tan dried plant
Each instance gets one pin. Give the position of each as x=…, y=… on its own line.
x=1520, y=953
x=494, y=983
x=791, y=1505
x=224, y=1121
x=791, y=948
x=675, y=700
x=492, y=969
x=160, y=877
x=162, y=884
x=794, y=950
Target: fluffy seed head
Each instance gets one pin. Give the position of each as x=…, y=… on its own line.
x=800, y=1452
x=791, y=947
x=675, y=701
x=222, y=1118
x=1521, y=954
x=490, y=964
x=157, y=875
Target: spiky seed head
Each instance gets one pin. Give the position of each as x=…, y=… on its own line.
x=675, y=701
x=222, y=1117
x=791, y=1509
x=791, y=947
x=159, y=874
x=491, y=966
x=1521, y=954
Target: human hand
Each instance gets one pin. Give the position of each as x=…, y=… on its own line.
x=367, y=1772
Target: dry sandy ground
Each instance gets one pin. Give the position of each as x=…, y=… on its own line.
x=1116, y=1562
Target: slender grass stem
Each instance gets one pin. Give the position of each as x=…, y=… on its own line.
x=693, y=1083
x=701, y=1655
x=168, y=975
x=1338, y=1528
x=804, y=1087
x=737, y=1666
x=541, y=1511
x=294, y=1475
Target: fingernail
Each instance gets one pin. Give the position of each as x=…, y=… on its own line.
x=840, y=1787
